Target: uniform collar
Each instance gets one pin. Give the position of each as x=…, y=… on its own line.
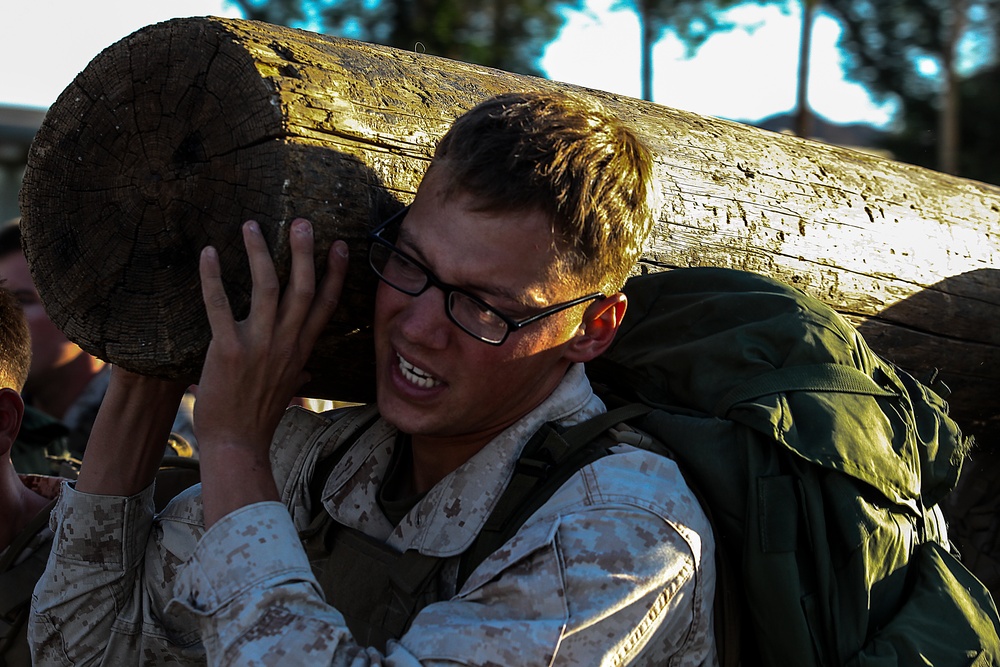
x=453, y=512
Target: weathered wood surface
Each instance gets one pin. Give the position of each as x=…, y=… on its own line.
x=172, y=137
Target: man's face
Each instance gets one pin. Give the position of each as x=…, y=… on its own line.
x=433, y=379
x=49, y=347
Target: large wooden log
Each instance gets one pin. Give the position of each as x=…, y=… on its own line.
x=172, y=137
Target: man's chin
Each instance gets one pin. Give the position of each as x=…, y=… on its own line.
x=405, y=416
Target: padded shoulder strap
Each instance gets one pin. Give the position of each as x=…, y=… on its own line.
x=551, y=457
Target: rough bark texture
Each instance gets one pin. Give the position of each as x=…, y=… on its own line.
x=175, y=135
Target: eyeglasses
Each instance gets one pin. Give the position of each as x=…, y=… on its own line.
x=470, y=313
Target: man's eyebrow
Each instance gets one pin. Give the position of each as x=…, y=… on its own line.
x=404, y=241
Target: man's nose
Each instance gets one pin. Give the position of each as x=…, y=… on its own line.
x=424, y=320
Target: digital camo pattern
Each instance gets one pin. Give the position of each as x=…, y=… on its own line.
x=46, y=486
x=21, y=563
x=617, y=568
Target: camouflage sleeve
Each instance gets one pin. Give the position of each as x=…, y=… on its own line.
x=110, y=572
x=84, y=597
x=251, y=586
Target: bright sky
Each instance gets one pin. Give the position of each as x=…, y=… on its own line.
x=746, y=75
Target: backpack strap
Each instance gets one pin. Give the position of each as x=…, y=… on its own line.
x=550, y=457
x=727, y=608
x=812, y=377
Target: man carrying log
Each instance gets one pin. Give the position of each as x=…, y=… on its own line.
x=497, y=283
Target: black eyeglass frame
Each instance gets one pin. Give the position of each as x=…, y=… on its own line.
x=375, y=238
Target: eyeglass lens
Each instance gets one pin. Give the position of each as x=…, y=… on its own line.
x=475, y=317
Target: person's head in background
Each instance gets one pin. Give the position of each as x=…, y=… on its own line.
x=60, y=370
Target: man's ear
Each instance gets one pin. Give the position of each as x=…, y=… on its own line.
x=11, y=411
x=598, y=328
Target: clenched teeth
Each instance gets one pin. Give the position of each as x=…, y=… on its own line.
x=416, y=375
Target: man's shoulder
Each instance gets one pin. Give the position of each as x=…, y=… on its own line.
x=637, y=477
x=637, y=495
x=631, y=501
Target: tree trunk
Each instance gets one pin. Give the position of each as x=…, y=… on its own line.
x=172, y=137
x=948, y=117
x=803, y=115
x=646, y=41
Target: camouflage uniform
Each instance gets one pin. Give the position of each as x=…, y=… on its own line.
x=21, y=563
x=616, y=568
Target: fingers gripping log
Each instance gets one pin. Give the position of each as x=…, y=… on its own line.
x=174, y=136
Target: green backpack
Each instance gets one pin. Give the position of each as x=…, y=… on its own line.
x=821, y=467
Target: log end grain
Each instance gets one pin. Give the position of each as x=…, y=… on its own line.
x=164, y=144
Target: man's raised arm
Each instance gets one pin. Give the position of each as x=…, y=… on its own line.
x=101, y=525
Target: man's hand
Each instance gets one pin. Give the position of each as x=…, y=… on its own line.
x=255, y=366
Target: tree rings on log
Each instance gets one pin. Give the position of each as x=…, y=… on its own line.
x=166, y=143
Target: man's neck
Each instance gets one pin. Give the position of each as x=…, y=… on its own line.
x=18, y=504
x=60, y=387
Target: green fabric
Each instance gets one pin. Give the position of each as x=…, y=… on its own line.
x=377, y=589
x=817, y=460
x=42, y=444
x=942, y=611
